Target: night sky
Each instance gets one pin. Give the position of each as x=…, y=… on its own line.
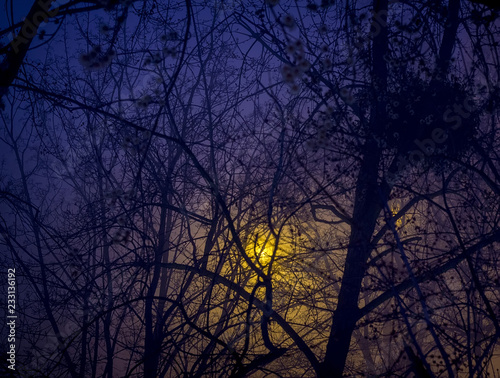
x=250, y=188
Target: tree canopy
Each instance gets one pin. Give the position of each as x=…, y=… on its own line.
x=252, y=188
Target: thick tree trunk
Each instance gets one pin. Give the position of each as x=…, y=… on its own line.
x=367, y=207
x=366, y=211
x=18, y=48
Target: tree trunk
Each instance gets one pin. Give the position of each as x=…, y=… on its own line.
x=366, y=211
x=367, y=207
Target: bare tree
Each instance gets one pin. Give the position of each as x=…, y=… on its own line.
x=277, y=189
